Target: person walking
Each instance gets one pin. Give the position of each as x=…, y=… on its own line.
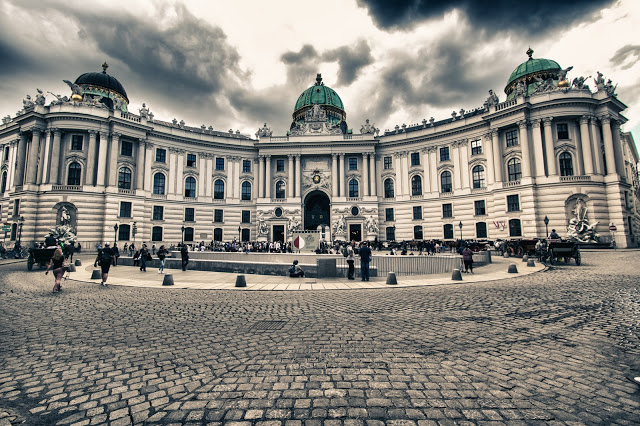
x=365, y=258
x=116, y=254
x=144, y=254
x=58, y=271
x=105, y=259
x=467, y=259
x=162, y=254
x=184, y=253
x=350, y=261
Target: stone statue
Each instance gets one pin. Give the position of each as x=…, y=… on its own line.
x=27, y=102
x=578, y=83
x=610, y=88
x=492, y=99
x=40, y=97
x=264, y=131
x=59, y=99
x=562, y=75
x=65, y=218
x=371, y=225
x=521, y=88
x=118, y=104
x=263, y=228
x=76, y=90
x=544, y=85
x=367, y=128
x=599, y=81
x=338, y=226
x=579, y=228
x=144, y=111
x=293, y=224
x=6, y=119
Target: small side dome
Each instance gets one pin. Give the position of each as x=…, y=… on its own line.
x=529, y=70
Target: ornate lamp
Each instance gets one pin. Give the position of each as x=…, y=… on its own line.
x=460, y=226
x=115, y=234
x=546, y=225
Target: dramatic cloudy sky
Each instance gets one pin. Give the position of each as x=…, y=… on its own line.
x=237, y=64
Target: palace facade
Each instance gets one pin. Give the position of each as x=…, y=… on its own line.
x=553, y=149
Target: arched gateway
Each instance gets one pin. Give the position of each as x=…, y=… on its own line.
x=317, y=210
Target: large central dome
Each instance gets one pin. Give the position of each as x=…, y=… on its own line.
x=104, y=85
x=529, y=72
x=321, y=95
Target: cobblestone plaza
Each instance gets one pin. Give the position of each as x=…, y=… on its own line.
x=554, y=347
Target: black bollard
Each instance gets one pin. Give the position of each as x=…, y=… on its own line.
x=240, y=281
x=391, y=278
x=168, y=279
x=96, y=274
x=456, y=275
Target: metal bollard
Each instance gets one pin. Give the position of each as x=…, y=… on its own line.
x=506, y=254
x=96, y=274
x=78, y=262
x=525, y=258
x=456, y=275
x=240, y=281
x=391, y=278
x=168, y=279
x=531, y=263
x=513, y=269
x=72, y=268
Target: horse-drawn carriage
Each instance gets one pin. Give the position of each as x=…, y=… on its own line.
x=554, y=250
x=39, y=256
x=518, y=247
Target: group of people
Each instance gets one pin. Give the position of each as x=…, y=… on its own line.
x=364, y=252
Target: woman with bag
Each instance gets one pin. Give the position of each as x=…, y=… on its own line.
x=162, y=254
x=58, y=271
x=350, y=261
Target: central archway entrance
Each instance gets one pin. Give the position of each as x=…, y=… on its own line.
x=317, y=210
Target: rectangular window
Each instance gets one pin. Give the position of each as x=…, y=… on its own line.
x=417, y=212
x=16, y=208
x=280, y=165
x=388, y=214
x=447, y=210
x=191, y=160
x=481, y=230
x=512, y=137
x=353, y=163
x=125, y=209
x=513, y=203
x=480, y=208
x=76, y=142
x=388, y=164
x=189, y=214
x=444, y=154
x=246, y=166
x=476, y=147
x=218, y=215
x=415, y=159
x=219, y=163
x=217, y=234
x=156, y=233
x=158, y=213
x=448, y=231
x=126, y=149
x=161, y=155
x=246, y=216
x=6, y=154
x=563, y=130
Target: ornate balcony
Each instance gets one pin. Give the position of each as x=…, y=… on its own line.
x=75, y=188
x=575, y=178
x=511, y=184
x=126, y=191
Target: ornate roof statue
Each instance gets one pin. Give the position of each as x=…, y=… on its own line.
x=76, y=91
x=264, y=131
x=368, y=128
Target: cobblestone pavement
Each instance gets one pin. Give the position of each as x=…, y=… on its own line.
x=556, y=347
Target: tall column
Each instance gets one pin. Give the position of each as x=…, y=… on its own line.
x=609, y=154
x=524, y=149
x=298, y=187
x=34, y=150
x=22, y=157
x=549, y=147
x=290, y=180
x=424, y=159
x=180, y=180
x=579, y=167
x=43, y=163
x=11, y=172
x=488, y=147
x=537, y=148
x=457, y=170
x=148, y=161
x=398, y=167
x=463, y=146
x=433, y=166
x=112, y=173
x=102, y=159
x=261, y=160
x=343, y=175
x=267, y=179
x=372, y=174
x=596, y=145
x=498, y=164
x=55, y=157
x=585, y=141
x=236, y=173
x=334, y=175
x=365, y=175
x=140, y=166
x=405, y=173
x=173, y=165
x=90, y=178
x=257, y=177
x=617, y=148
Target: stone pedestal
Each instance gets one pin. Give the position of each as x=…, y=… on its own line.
x=326, y=268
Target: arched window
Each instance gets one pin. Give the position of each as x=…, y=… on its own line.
x=515, y=229
x=445, y=182
x=513, y=169
x=388, y=188
x=124, y=232
x=417, y=232
x=188, y=233
x=158, y=183
x=353, y=189
x=416, y=185
x=218, y=190
x=156, y=233
x=124, y=178
x=3, y=185
x=566, y=164
x=190, y=187
x=73, y=176
x=477, y=174
x=391, y=233
x=246, y=190
x=280, y=193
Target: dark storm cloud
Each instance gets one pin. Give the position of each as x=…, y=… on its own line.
x=527, y=17
x=627, y=56
x=13, y=61
x=301, y=66
x=351, y=60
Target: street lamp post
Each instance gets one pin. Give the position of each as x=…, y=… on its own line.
x=20, y=223
x=115, y=234
x=134, y=230
x=239, y=230
x=460, y=226
x=546, y=226
x=182, y=230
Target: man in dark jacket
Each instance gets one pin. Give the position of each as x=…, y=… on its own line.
x=184, y=253
x=365, y=258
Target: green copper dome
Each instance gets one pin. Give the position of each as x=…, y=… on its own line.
x=529, y=71
x=319, y=94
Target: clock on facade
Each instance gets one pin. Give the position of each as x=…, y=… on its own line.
x=316, y=179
